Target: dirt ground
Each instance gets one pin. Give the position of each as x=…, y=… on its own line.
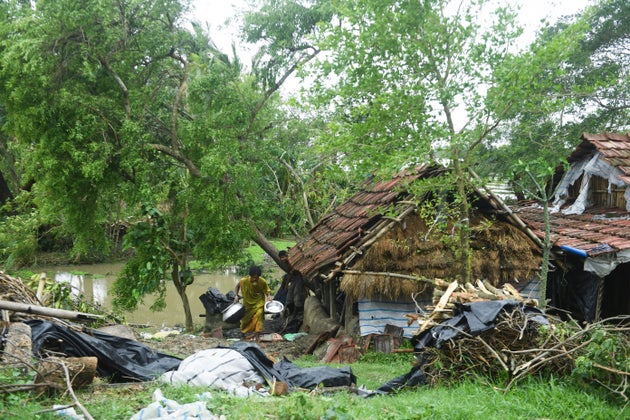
x=182, y=344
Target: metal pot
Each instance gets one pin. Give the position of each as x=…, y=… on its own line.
x=274, y=307
x=234, y=312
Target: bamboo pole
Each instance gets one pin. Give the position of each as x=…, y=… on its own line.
x=42, y=310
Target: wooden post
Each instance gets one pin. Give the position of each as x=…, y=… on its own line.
x=600, y=299
x=332, y=304
x=40, y=288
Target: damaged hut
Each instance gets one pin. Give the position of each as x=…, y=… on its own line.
x=377, y=257
x=590, y=229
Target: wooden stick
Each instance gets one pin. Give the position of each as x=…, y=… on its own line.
x=72, y=394
x=385, y=274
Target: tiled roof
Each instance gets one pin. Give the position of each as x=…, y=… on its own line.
x=355, y=222
x=595, y=232
x=615, y=148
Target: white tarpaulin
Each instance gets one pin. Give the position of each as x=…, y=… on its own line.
x=595, y=166
x=164, y=409
x=605, y=264
x=219, y=367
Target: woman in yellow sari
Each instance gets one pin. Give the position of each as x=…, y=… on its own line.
x=255, y=292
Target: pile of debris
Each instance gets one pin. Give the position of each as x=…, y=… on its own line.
x=498, y=333
x=12, y=289
x=447, y=296
x=30, y=329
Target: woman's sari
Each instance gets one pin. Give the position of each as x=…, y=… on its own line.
x=254, y=298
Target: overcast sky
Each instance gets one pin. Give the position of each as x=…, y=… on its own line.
x=215, y=12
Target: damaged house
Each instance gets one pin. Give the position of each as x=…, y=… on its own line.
x=367, y=259
x=590, y=229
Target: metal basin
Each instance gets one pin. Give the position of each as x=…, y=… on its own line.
x=234, y=312
x=274, y=307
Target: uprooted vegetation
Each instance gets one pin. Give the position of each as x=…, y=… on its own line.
x=517, y=340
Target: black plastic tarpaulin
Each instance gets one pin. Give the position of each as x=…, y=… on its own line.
x=471, y=318
x=119, y=359
x=312, y=377
x=293, y=375
x=214, y=301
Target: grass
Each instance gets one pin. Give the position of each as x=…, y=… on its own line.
x=258, y=254
x=254, y=252
x=473, y=397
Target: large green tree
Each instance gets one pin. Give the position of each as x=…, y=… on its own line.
x=574, y=78
x=120, y=110
x=405, y=82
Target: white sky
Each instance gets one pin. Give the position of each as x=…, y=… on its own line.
x=214, y=13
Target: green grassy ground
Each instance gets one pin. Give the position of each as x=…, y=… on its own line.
x=257, y=253
x=469, y=398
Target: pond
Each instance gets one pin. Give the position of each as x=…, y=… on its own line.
x=94, y=280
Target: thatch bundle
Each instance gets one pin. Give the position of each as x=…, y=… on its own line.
x=501, y=253
x=14, y=290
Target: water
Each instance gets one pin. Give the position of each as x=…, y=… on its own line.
x=95, y=287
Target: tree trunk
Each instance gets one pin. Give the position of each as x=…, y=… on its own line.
x=180, y=286
x=5, y=191
x=261, y=240
x=544, y=269
x=464, y=220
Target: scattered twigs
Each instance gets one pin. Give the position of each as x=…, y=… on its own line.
x=521, y=347
x=56, y=408
x=16, y=359
x=352, y=389
x=77, y=403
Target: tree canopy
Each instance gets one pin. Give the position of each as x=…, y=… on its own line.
x=125, y=114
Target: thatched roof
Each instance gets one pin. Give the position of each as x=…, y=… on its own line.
x=501, y=254
x=378, y=231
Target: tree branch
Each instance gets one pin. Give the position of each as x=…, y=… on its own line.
x=194, y=171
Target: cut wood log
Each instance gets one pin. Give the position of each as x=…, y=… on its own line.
x=42, y=310
x=18, y=345
x=441, y=305
x=513, y=292
x=446, y=298
x=492, y=289
x=81, y=370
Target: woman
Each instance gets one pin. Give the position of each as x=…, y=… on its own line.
x=255, y=292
